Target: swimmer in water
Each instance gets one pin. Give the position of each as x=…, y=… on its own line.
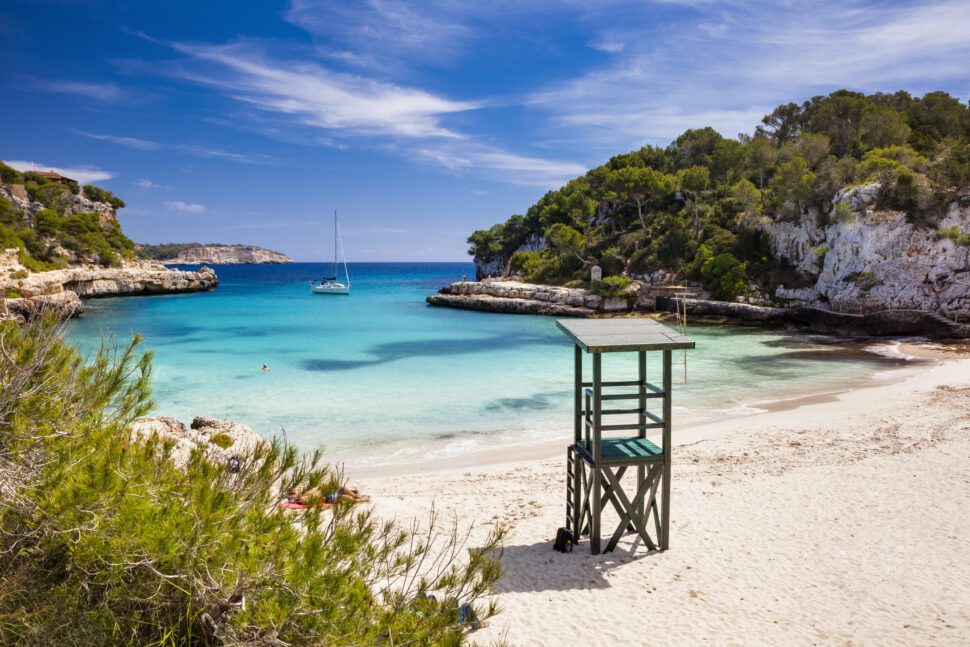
x=265, y=368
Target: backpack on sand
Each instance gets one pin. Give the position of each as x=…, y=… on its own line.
x=564, y=541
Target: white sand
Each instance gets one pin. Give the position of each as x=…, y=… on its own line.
x=844, y=521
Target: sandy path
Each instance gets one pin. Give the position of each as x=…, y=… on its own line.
x=840, y=522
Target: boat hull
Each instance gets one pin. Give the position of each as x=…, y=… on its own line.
x=330, y=289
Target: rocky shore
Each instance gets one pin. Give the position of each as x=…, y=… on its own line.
x=61, y=290
x=524, y=298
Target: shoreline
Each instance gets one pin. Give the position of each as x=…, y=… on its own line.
x=829, y=526
x=920, y=356
x=658, y=301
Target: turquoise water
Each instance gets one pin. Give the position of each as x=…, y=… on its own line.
x=381, y=374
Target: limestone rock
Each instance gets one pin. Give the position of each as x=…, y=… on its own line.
x=877, y=260
x=200, y=436
x=229, y=255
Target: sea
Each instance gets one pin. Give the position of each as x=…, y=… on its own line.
x=379, y=377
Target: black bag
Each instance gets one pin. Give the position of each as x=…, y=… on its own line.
x=564, y=541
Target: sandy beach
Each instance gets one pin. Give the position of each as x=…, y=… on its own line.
x=837, y=520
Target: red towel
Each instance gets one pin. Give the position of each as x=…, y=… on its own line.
x=295, y=505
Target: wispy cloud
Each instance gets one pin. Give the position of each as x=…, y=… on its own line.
x=189, y=149
x=726, y=64
x=385, y=33
x=319, y=97
x=190, y=207
x=403, y=120
x=499, y=164
x=83, y=174
x=103, y=92
x=146, y=184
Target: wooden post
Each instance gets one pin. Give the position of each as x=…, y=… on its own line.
x=667, y=405
x=642, y=418
x=594, y=525
x=578, y=396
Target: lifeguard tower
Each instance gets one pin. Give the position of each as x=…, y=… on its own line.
x=598, y=458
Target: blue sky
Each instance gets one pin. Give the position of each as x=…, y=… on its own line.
x=251, y=122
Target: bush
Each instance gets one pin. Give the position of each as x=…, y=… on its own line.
x=842, y=211
x=107, y=541
x=20, y=274
x=954, y=234
x=610, y=261
x=645, y=261
x=222, y=440
x=611, y=286
x=724, y=275
x=11, y=293
x=10, y=175
x=97, y=194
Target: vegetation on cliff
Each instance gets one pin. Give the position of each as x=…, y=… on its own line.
x=104, y=540
x=45, y=238
x=700, y=206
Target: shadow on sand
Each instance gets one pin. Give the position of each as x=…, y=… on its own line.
x=537, y=567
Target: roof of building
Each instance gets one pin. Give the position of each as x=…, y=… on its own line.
x=51, y=175
x=627, y=334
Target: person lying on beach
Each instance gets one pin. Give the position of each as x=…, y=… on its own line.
x=343, y=494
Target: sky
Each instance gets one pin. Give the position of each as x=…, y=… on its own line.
x=252, y=121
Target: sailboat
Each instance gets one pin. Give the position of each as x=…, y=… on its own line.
x=330, y=284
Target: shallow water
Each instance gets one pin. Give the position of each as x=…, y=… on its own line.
x=381, y=374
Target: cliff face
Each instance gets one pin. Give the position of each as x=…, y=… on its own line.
x=229, y=255
x=876, y=260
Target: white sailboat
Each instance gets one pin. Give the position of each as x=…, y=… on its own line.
x=330, y=284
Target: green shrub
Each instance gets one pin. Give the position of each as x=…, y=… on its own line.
x=611, y=286
x=10, y=175
x=222, y=440
x=725, y=276
x=107, y=541
x=954, y=234
x=97, y=194
x=842, y=211
x=20, y=274
x=819, y=251
x=645, y=261
x=610, y=261
x=11, y=293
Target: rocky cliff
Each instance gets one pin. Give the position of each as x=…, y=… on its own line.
x=228, y=255
x=876, y=260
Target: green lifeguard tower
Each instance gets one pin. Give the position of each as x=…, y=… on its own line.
x=597, y=458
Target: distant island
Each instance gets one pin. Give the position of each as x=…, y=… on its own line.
x=210, y=254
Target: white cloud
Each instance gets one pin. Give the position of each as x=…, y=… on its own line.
x=146, y=184
x=192, y=207
x=105, y=92
x=83, y=174
x=318, y=97
x=190, y=149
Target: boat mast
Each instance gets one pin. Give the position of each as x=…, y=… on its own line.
x=334, y=244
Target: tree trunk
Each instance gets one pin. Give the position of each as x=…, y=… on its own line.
x=643, y=222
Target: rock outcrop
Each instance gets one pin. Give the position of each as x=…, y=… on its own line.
x=878, y=260
x=221, y=440
x=228, y=255
x=518, y=298
x=60, y=290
